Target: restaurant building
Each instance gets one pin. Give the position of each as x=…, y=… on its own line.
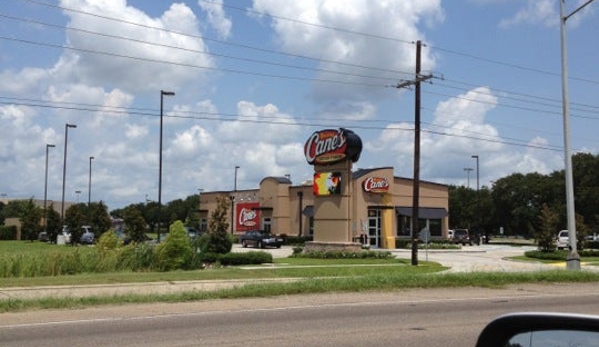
x=340, y=208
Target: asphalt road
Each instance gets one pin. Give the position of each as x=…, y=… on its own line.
x=448, y=317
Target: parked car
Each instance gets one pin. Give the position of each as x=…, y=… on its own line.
x=193, y=232
x=43, y=236
x=562, y=239
x=462, y=236
x=450, y=234
x=260, y=239
x=87, y=238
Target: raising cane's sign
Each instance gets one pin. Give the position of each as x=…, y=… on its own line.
x=331, y=146
x=375, y=185
x=248, y=216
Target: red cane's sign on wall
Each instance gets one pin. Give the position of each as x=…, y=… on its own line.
x=375, y=185
x=247, y=216
x=331, y=146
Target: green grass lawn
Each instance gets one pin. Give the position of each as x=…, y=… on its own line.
x=281, y=268
x=317, y=276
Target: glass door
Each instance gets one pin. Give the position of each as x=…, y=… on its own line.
x=374, y=228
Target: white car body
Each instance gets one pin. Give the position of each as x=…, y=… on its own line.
x=562, y=239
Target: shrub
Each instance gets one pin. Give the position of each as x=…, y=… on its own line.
x=297, y=240
x=547, y=255
x=107, y=241
x=216, y=242
x=137, y=257
x=175, y=251
x=591, y=244
x=209, y=258
x=366, y=254
x=245, y=258
x=8, y=232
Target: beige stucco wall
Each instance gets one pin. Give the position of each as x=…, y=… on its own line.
x=337, y=218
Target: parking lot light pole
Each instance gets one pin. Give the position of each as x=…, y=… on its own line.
x=48, y=146
x=200, y=190
x=235, y=182
x=232, y=212
x=477, y=173
x=467, y=169
x=89, y=187
x=162, y=94
x=64, y=168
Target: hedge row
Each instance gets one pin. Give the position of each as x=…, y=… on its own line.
x=8, y=232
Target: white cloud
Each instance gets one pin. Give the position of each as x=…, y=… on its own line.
x=217, y=18
x=536, y=11
x=259, y=123
x=28, y=79
x=150, y=67
x=547, y=13
x=394, y=19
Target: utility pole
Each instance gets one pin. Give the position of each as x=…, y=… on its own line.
x=573, y=258
x=416, y=182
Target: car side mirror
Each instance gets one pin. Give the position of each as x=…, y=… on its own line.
x=541, y=329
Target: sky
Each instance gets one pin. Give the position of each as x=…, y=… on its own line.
x=254, y=79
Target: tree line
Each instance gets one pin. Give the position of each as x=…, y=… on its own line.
x=519, y=204
x=527, y=204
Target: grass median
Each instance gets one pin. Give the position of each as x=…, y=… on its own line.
x=314, y=276
x=310, y=276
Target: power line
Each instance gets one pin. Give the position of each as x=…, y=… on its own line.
x=273, y=121
x=206, y=38
x=150, y=60
x=282, y=53
x=257, y=61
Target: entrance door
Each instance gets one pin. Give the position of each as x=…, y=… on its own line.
x=374, y=228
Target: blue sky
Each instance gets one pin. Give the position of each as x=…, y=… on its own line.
x=253, y=79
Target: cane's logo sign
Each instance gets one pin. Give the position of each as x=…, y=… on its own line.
x=375, y=185
x=247, y=217
x=330, y=146
x=325, y=147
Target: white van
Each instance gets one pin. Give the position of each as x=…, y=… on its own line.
x=562, y=239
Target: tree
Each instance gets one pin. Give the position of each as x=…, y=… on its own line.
x=218, y=240
x=545, y=234
x=461, y=207
x=582, y=230
x=135, y=225
x=2, y=205
x=53, y=226
x=518, y=199
x=75, y=217
x=175, y=251
x=30, y=217
x=99, y=219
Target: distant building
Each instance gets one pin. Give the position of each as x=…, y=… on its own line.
x=379, y=206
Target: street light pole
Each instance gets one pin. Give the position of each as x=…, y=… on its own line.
x=232, y=213
x=48, y=146
x=78, y=192
x=162, y=94
x=64, y=168
x=573, y=259
x=477, y=173
x=89, y=187
x=467, y=169
x=200, y=190
x=235, y=184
